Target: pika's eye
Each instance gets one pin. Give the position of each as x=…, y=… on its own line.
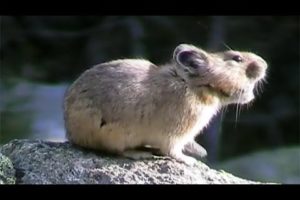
x=237, y=58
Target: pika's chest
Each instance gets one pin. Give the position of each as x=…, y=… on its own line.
x=200, y=118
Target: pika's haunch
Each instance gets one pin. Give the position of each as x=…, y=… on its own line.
x=120, y=105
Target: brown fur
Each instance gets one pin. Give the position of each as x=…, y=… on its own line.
x=124, y=104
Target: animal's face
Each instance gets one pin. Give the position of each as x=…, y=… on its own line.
x=231, y=75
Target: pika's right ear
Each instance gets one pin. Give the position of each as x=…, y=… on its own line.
x=190, y=58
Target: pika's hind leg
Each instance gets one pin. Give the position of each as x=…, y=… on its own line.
x=143, y=152
x=137, y=155
x=195, y=150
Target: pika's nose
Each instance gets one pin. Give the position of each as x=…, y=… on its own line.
x=255, y=70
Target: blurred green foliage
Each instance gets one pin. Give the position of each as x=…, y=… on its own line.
x=279, y=166
x=15, y=121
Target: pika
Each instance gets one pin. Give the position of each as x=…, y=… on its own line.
x=123, y=104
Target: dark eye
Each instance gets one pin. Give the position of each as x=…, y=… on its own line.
x=237, y=58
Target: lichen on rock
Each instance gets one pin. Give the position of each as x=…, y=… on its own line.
x=7, y=172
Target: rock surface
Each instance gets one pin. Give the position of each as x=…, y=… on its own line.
x=7, y=172
x=44, y=162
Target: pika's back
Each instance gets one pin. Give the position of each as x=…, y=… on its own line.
x=117, y=71
x=113, y=89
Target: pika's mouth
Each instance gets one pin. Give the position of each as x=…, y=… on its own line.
x=233, y=95
x=228, y=92
x=219, y=90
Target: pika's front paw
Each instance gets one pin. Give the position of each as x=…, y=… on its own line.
x=195, y=150
x=189, y=161
x=180, y=157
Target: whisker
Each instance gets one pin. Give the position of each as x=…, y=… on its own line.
x=240, y=104
x=238, y=107
x=257, y=89
x=249, y=104
x=261, y=86
x=236, y=115
x=265, y=81
x=236, y=111
x=226, y=46
x=223, y=113
x=225, y=109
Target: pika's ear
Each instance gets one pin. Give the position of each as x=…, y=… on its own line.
x=190, y=57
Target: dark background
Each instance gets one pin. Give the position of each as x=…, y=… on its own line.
x=56, y=49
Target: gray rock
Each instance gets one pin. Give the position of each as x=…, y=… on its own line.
x=7, y=172
x=43, y=162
